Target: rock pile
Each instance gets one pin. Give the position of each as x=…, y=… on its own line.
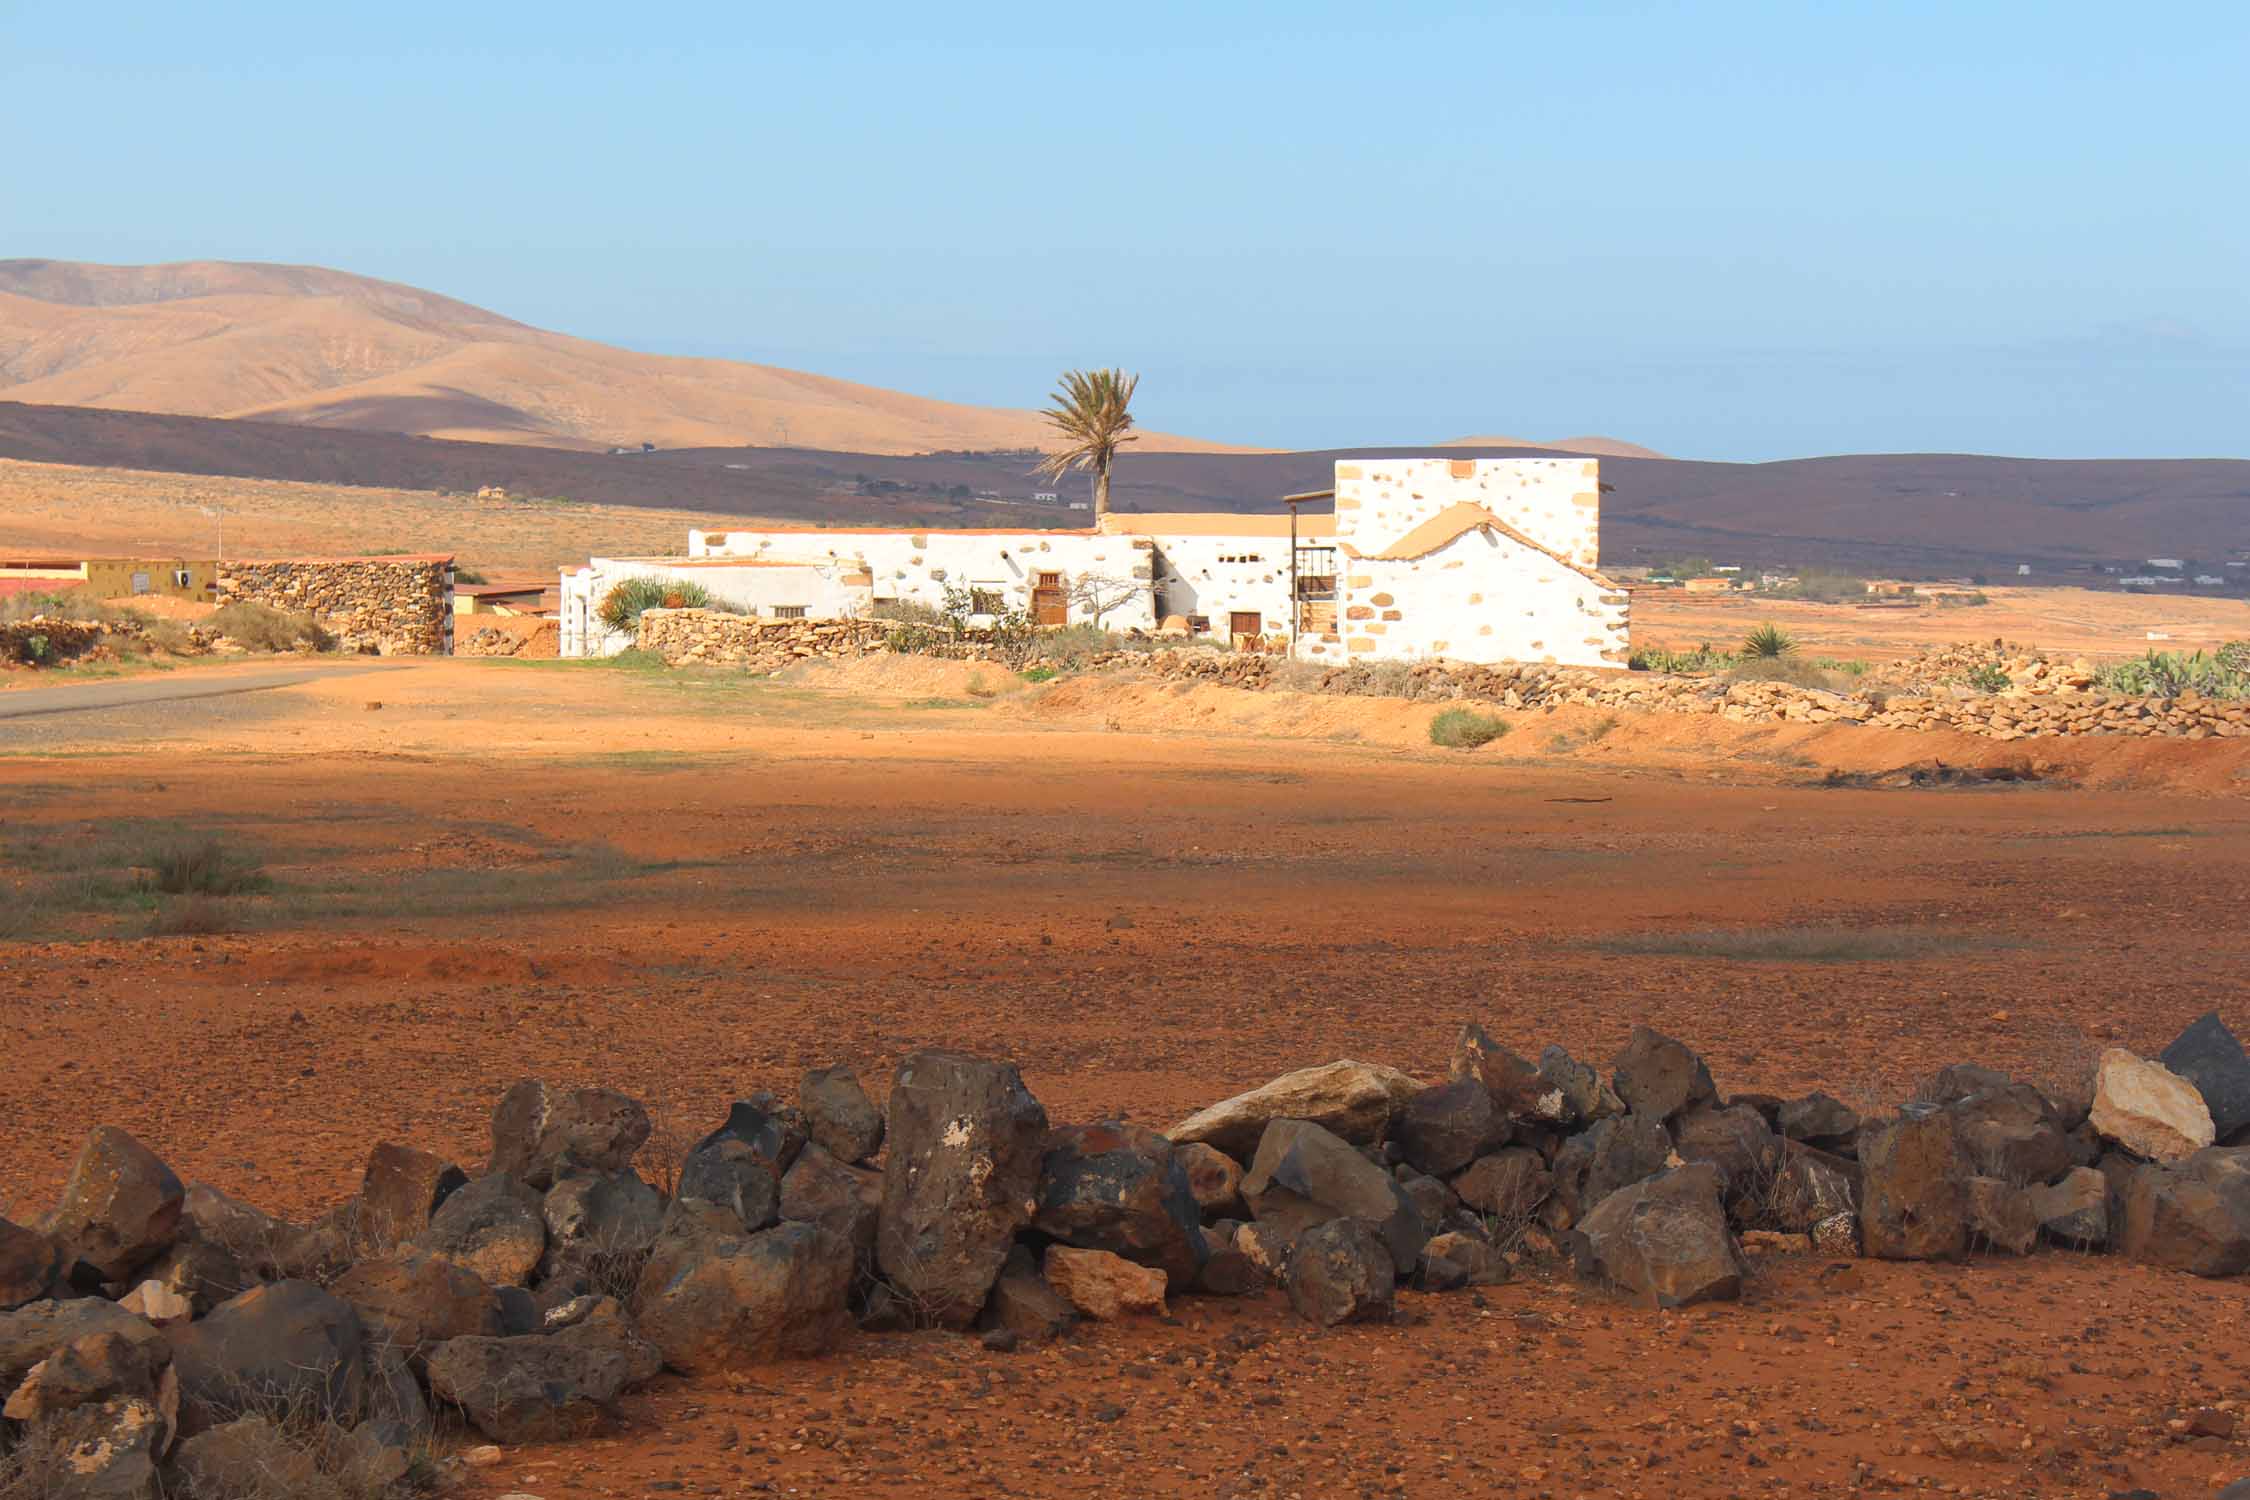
x=376, y=606
x=154, y=1331
x=41, y=640
x=2050, y=700
x=710, y=637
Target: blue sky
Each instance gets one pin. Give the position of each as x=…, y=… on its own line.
x=1725, y=230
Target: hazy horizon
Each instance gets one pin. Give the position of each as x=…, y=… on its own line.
x=1746, y=234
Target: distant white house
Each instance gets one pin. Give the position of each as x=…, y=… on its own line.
x=1480, y=560
x=2165, y=564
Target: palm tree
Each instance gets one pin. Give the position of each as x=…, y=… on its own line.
x=1092, y=409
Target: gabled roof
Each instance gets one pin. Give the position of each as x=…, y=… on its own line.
x=1458, y=520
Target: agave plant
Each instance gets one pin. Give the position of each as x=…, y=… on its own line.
x=1092, y=410
x=621, y=607
x=1767, y=642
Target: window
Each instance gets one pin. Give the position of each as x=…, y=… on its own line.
x=1199, y=624
x=789, y=611
x=985, y=599
x=179, y=578
x=140, y=583
x=1242, y=557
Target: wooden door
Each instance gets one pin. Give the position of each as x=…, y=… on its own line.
x=1247, y=627
x=1049, y=605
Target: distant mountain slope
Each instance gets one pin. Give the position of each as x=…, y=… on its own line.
x=1913, y=513
x=329, y=349
x=1593, y=446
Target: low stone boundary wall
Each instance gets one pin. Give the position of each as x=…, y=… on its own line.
x=40, y=641
x=377, y=606
x=2011, y=715
x=710, y=637
x=531, y=1295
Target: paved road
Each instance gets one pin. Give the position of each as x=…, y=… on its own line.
x=138, y=692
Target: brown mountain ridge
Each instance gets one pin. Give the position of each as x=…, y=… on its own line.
x=325, y=348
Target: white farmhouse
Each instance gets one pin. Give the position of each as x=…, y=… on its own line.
x=1479, y=560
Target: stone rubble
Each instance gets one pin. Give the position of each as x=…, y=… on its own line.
x=529, y=1298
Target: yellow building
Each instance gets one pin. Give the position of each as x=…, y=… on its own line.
x=113, y=577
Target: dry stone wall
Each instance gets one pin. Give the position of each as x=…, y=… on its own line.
x=710, y=637
x=375, y=606
x=2019, y=712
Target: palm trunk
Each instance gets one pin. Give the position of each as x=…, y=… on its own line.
x=1101, y=493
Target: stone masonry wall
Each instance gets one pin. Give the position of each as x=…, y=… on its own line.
x=707, y=637
x=2018, y=713
x=374, y=606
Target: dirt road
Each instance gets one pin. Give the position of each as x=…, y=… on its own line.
x=145, y=691
x=691, y=887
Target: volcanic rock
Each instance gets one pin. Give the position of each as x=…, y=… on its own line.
x=1509, y=1184
x=2194, y=1216
x=494, y=1226
x=1303, y=1175
x=414, y=1300
x=1596, y=1162
x=1818, y=1120
x=1666, y=1239
x=29, y=1263
x=1119, y=1188
x=838, y=1114
x=2002, y=1215
x=398, y=1192
x=1341, y=1272
x=960, y=1177
x=121, y=1206
x=1454, y=1260
x=844, y=1200
x=542, y=1387
x=2074, y=1211
x=743, y=1302
x=541, y=1132
x=1024, y=1304
x=289, y=1346
x=1914, y=1202
x=1443, y=1128
x=1214, y=1177
x=2210, y=1056
x=1658, y=1077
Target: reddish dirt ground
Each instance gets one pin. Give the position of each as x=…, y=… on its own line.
x=690, y=888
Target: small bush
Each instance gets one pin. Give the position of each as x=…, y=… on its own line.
x=263, y=628
x=191, y=866
x=1704, y=658
x=1466, y=729
x=621, y=608
x=2167, y=674
x=906, y=612
x=1767, y=642
x=1989, y=678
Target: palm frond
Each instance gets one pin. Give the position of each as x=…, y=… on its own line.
x=1092, y=409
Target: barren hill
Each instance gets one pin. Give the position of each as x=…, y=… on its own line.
x=1591, y=445
x=325, y=348
x=1920, y=514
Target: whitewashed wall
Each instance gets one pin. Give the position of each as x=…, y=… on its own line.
x=919, y=565
x=824, y=592
x=1554, y=501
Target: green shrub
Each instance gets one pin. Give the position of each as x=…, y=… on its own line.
x=1989, y=678
x=2167, y=674
x=1704, y=658
x=1465, y=728
x=261, y=627
x=1767, y=642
